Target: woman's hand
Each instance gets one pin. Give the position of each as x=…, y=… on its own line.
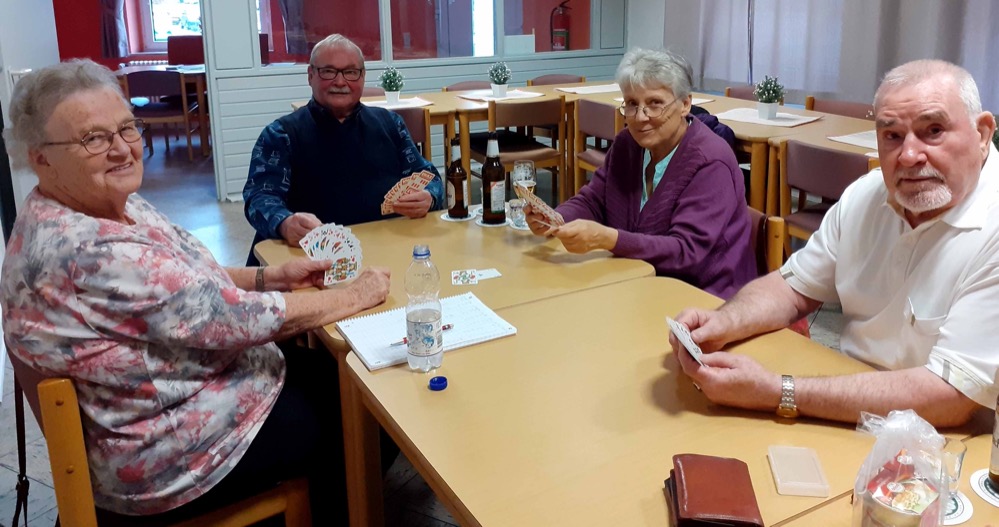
x=537, y=222
x=581, y=236
x=296, y=274
x=372, y=286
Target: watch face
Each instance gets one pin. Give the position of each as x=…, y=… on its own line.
x=788, y=412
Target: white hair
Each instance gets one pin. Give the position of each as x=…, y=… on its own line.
x=335, y=41
x=917, y=71
x=649, y=68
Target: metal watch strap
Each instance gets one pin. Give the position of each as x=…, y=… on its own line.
x=787, y=407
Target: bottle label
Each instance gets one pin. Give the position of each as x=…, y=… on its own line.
x=424, y=337
x=455, y=152
x=450, y=195
x=464, y=191
x=497, y=202
x=994, y=459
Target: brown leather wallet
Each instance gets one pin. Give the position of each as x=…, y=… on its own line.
x=709, y=491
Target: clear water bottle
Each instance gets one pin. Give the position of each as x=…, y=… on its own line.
x=424, y=338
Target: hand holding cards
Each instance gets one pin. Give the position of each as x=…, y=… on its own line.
x=552, y=217
x=334, y=242
x=683, y=335
x=412, y=183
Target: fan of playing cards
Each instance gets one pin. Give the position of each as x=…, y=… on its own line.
x=412, y=183
x=334, y=242
x=552, y=217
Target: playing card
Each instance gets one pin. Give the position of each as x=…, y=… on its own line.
x=552, y=217
x=683, y=335
x=412, y=183
x=464, y=277
x=338, y=244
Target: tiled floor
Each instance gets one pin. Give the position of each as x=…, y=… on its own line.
x=185, y=192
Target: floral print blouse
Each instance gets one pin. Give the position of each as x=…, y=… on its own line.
x=173, y=364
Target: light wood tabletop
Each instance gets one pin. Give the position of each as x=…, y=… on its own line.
x=574, y=420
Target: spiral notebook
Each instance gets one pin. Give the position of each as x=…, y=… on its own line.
x=371, y=336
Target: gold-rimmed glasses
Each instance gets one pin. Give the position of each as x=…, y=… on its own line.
x=99, y=141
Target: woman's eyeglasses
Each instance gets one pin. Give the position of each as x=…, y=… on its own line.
x=99, y=141
x=652, y=111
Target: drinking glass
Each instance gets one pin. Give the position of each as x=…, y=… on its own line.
x=952, y=458
x=524, y=174
x=517, y=217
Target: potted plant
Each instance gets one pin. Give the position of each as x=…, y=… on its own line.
x=995, y=138
x=391, y=81
x=499, y=75
x=769, y=92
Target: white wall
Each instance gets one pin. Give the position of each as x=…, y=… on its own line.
x=27, y=40
x=646, y=20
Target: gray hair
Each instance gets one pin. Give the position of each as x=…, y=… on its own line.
x=918, y=71
x=38, y=93
x=335, y=41
x=648, y=68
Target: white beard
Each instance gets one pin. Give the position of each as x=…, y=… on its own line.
x=938, y=195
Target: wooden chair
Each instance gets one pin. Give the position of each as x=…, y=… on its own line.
x=766, y=237
x=372, y=91
x=555, y=78
x=857, y=110
x=468, y=85
x=601, y=122
x=744, y=92
x=157, y=86
x=819, y=171
x=418, y=123
x=514, y=146
x=55, y=405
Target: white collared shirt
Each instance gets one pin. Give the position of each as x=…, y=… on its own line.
x=925, y=296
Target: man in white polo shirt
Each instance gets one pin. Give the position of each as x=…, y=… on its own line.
x=911, y=252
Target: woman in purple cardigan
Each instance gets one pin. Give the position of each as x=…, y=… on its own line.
x=670, y=191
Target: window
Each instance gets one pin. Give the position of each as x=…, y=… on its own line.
x=160, y=19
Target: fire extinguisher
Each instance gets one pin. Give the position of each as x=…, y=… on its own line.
x=558, y=24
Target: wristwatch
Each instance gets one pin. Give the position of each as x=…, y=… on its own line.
x=787, y=408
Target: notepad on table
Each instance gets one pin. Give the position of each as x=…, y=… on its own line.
x=371, y=336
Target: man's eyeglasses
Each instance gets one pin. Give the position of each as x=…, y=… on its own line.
x=652, y=111
x=328, y=74
x=99, y=141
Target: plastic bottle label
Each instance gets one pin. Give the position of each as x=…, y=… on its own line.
x=497, y=202
x=424, y=337
x=450, y=195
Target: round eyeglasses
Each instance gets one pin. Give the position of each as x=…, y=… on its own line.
x=99, y=141
x=328, y=74
x=652, y=111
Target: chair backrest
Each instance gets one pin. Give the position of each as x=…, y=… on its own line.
x=186, y=49
x=372, y=91
x=467, y=85
x=744, y=93
x=154, y=83
x=822, y=171
x=532, y=113
x=766, y=237
x=418, y=123
x=555, y=78
x=858, y=110
x=595, y=119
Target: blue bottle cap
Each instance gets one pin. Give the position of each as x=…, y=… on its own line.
x=438, y=383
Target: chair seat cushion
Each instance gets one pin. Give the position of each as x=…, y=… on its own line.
x=809, y=218
x=595, y=157
x=161, y=109
x=513, y=146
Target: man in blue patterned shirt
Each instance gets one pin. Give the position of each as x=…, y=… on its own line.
x=334, y=159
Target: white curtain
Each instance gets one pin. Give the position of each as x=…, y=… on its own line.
x=833, y=48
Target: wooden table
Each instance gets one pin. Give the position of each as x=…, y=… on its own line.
x=193, y=75
x=574, y=420
x=836, y=513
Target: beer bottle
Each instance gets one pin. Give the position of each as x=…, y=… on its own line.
x=994, y=460
x=493, y=185
x=457, y=184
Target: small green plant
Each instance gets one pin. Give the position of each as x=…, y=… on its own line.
x=500, y=73
x=391, y=80
x=769, y=90
x=995, y=138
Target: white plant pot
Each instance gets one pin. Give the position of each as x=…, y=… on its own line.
x=767, y=110
x=392, y=97
x=499, y=90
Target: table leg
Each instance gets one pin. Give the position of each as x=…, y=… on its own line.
x=758, y=175
x=567, y=179
x=361, y=452
x=774, y=188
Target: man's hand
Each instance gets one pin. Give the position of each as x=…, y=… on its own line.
x=537, y=222
x=372, y=286
x=414, y=205
x=582, y=236
x=708, y=328
x=733, y=380
x=296, y=226
x=297, y=274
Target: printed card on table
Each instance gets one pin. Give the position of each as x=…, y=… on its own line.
x=414, y=182
x=464, y=277
x=338, y=244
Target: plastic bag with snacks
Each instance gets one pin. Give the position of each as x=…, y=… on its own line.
x=900, y=483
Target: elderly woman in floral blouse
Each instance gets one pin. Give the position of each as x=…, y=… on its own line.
x=187, y=402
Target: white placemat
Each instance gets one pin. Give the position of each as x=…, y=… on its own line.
x=694, y=100
x=601, y=88
x=868, y=139
x=487, y=95
x=413, y=102
x=872, y=154
x=751, y=115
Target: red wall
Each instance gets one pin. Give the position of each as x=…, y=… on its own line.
x=537, y=15
x=78, y=29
